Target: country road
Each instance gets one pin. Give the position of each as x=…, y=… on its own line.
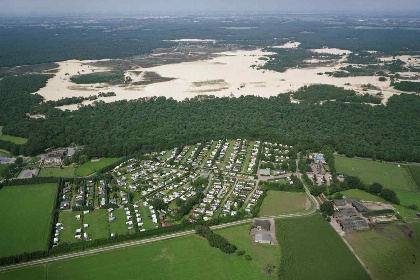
x=154, y=239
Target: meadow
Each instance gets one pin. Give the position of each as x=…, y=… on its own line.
x=389, y=175
x=415, y=173
x=181, y=258
x=26, y=215
x=311, y=249
x=66, y=172
x=262, y=254
x=89, y=168
x=279, y=202
x=118, y=226
x=16, y=140
x=388, y=251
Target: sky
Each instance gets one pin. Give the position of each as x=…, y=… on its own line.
x=51, y=7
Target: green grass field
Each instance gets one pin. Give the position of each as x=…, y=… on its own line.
x=181, y=258
x=89, y=168
x=98, y=224
x=14, y=139
x=262, y=254
x=389, y=175
x=415, y=174
x=311, y=249
x=5, y=154
x=278, y=202
x=25, y=217
x=388, y=252
x=70, y=224
x=248, y=156
x=66, y=172
x=144, y=213
x=118, y=226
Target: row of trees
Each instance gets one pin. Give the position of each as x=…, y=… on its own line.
x=215, y=240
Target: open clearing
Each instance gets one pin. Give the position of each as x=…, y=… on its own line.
x=389, y=175
x=415, y=173
x=14, y=139
x=388, y=251
x=66, y=172
x=93, y=166
x=70, y=224
x=26, y=216
x=278, y=202
x=311, y=249
x=262, y=254
x=181, y=258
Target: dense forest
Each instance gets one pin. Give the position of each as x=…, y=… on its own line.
x=317, y=93
x=407, y=86
x=390, y=132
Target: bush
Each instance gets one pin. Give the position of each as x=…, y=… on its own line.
x=240, y=253
x=413, y=206
x=328, y=219
x=248, y=257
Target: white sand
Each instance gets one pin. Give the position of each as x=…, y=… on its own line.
x=331, y=51
x=193, y=41
x=226, y=75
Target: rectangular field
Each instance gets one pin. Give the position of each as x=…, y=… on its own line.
x=70, y=224
x=25, y=217
x=388, y=251
x=389, y=175
x=278, y=202
x=98, y=224
x=118, y=226
x=415, y=173
x=311, y=249
x=181, y=258
x=66, y=172
x=89, y=168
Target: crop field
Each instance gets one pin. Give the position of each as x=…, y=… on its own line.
x=98, y=224
x=388, y=251
x=91, y=167
x=415, y=173
x=389, y=175
x=262, y=254
x=278, y=202
x=26, y=216
x=311, y=249
x=70, y=224
x=181, y=258
x=66, y=172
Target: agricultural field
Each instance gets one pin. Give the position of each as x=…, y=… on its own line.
x=14, y=139
x=279, y=202
x=400, y=179
x=26, y=216
x=311, y=249
x=389, y=251
x=66, y=172
x=187, y=257
x=389, y=175
x=262, y=254
x=90, y=167
x=415, y=173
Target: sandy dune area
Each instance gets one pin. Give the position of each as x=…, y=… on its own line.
x=229, y=74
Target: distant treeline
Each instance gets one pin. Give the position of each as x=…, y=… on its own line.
x=77, y=100
x=407, y=86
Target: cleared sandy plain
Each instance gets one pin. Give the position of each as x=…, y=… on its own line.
x=228, y=74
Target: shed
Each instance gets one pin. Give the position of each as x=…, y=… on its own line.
x=262, y=224
x=359, y=207
x=263, y=237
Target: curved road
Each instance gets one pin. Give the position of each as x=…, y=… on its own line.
x=154, y=239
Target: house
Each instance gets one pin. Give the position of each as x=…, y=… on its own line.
x=262, y=225
x=263, y=237
x=265, y=172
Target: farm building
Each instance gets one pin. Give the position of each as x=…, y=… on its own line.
x=351, y=224
x=262, y=225
x=359, y=207
x=263, y=237
x=345, y=212
x=339, y=202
